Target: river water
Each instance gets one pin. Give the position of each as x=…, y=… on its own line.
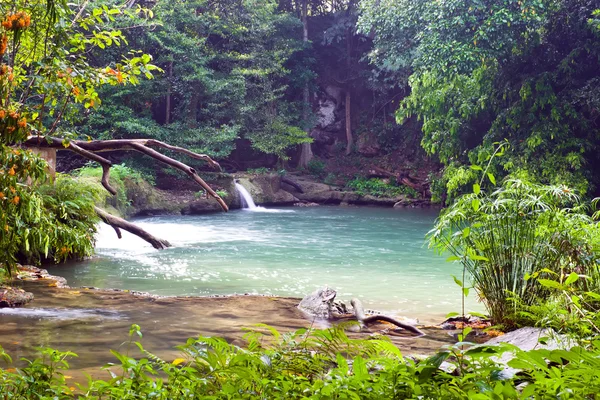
x=378, y=255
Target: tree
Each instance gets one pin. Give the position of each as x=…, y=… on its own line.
x=46, y=80
x=484, y=71
x=306, y=150
x=226, y=79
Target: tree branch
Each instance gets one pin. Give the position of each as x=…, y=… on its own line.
x=119, y=223
x=89, y=150
x=366, y=320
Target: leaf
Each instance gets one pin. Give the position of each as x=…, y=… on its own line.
x=359, y=367
x=477, y=314
x=476, y=188
x=475, y=203
x=457, y=281
x=476, y=168
x=492, y=178
x=549, y=283
x=452, y=314
x=178, y=361
x=573, y=277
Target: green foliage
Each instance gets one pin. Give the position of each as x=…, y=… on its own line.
x=41, y=88
x=277, y=137
x=379, y=188
x=518, y=231
x=226, y=77
x=316, y=167
x=484, y=71
x=50, y=221
x=316, y=365
x=259, y=171
x=129, y=183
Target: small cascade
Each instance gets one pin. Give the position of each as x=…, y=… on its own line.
x=247, y=201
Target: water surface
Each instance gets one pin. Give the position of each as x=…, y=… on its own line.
x=378, y=255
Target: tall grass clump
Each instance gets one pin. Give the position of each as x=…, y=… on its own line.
x=519, y=231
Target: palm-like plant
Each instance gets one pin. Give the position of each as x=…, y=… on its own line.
x=520, y=230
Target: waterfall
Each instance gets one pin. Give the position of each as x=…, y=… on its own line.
x=247, y=201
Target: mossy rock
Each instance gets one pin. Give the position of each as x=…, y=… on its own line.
x=14, y=297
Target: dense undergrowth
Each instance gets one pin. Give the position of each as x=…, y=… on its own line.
x=319, y=364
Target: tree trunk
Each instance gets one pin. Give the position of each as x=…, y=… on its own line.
x=168, y=102
x=349, y=139
x=306, y=153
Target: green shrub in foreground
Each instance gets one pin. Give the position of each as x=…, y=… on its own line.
x=315, y=365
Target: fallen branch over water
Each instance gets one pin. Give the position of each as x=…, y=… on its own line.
x=119, y=223
x=88, y=149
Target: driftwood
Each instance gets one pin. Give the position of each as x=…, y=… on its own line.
x=119, y=223
x=89, y=150
x=359, y=313
x=293, y=184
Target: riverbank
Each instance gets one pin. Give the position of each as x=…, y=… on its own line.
x=267, y=189
x=90, y=322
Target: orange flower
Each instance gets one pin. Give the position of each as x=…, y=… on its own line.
x=13, y=114
x=12, y=189
x=11, y=171
x=22, y=123
x=16, y=21
x=2, y=196
x=3, y=44
x=2, y=114
x=16, y=200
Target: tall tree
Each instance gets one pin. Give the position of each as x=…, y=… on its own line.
x=306, y=153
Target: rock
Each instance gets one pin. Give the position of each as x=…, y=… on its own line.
x=319, y=303
x=14, y=297
x=367, y=145
x=201, y=206
x=528, y=339
x=266, y=189
x=324, y=197
x=308, y=204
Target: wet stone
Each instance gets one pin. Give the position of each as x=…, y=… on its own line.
x=14, y=297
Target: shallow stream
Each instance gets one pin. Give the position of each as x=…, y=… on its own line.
x=375, y=254
x=378, y=255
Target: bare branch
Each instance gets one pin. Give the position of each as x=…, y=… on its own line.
x=119, y=223
x=89, y=149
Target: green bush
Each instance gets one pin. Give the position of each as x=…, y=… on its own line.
x=54, y=220
x=258, y=171
x=519, y=231
x=321, y=364
x=379, y=188
x=316, y=167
